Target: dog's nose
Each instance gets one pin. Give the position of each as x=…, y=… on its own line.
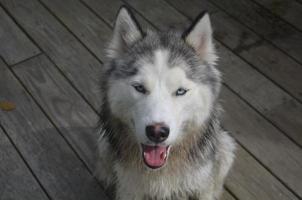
x=157, y=132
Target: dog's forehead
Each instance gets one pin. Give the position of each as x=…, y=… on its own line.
x=158, y=64
x=160, y=68
x=173, y=49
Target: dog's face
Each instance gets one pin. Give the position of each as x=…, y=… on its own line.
x=161, y=85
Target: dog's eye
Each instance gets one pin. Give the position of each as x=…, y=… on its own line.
x=181, y=91
x=140, y=88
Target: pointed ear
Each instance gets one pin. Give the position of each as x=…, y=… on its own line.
x=199, y=36
x=126, y=32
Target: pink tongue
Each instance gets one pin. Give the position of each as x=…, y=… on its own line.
x=154, y=156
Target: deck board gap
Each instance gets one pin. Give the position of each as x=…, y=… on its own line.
x=267, y=169
x=50, y=120
x=25, y=162
x=44, y=53
x=263, y=116
x=22, y=61
x=70, y=31
x=276, y=15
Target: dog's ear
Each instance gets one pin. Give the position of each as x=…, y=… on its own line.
x=199, y=36
x=126, y=32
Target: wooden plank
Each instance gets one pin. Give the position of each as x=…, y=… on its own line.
x=265, y=24
x=275, y=64
x=78, y=65
x=66, y=108
x=56, y=166
x=16, y=181
x=290, y=11
x=86, y=24
x=264, y=141
x=226, y=196
x=201, y=5
x=82, y=24
x=108, y=10
x=275, y=154
x=156, y=18
x=284, y=111
x=15, y=46
x=263, y=184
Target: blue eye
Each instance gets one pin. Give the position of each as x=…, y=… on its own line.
x=139, y=88
x=181, y=91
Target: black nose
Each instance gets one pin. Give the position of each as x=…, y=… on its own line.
x=157, y=132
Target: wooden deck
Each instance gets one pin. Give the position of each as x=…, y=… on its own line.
x=51, y=53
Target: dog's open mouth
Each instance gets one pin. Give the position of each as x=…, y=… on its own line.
x=155, y=156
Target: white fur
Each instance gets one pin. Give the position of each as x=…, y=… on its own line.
x=200, y=38
x=160, y=105
x=125, y=32
x=131, y=180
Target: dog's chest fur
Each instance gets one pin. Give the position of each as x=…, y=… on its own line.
x=140, y=183
x=177, y=185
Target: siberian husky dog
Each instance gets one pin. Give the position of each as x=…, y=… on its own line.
x=161, y=137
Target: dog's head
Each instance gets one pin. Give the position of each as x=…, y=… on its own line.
x=161, y=84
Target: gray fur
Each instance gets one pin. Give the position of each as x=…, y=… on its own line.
x=207, y=152
x=126, y=64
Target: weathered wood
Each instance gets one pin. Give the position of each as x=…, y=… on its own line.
x=226, y=196
x=56, y=166
x=161, y=18
x=264, y=185
x=263, y=140
x=284, y=111
x=266, y=24
x=87, y=23
x=16, y=180
x=262, y=55
x=107, y=10
x=66, y=108
x=82, y=24
x=79, y=66
x=290, y=11
x=15, y=46
x=199, y=6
